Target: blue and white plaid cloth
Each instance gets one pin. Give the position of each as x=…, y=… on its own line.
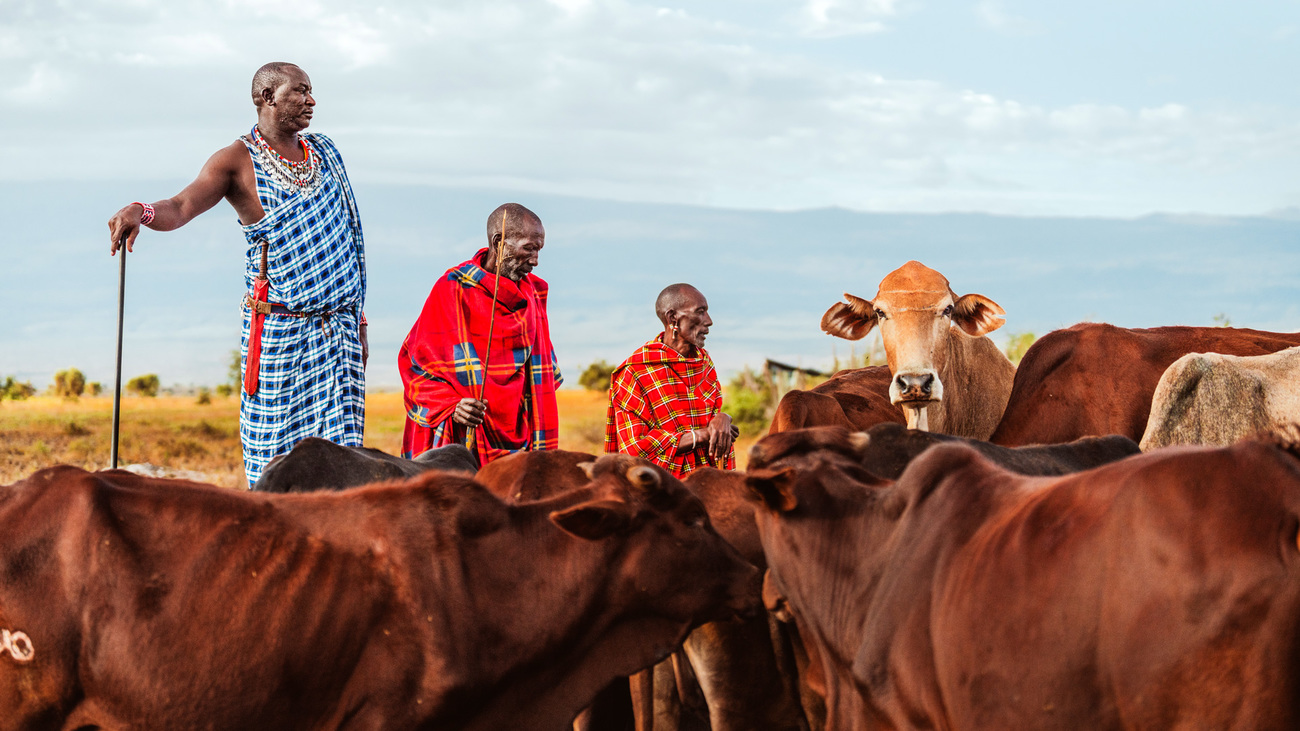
x=311, y=382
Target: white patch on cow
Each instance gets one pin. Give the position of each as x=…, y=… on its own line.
x=918, y=417
x=18, y=645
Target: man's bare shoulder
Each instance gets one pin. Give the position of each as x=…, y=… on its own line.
x=232, y=157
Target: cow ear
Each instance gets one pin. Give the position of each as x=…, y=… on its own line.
x=775, y=488
x=774, y=600
x=589, y=469
x=978, y=315
x=850, y=321
x=643, y=477
x=480, y=516
x=595, y=520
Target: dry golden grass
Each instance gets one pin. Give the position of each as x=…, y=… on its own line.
x=177, y=433
x=173, y=432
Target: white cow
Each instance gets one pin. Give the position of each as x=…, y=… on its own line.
x=1208, y=398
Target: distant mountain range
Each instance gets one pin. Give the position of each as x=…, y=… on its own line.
x=768, y=275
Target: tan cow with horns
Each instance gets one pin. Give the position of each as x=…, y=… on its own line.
x=945, y=375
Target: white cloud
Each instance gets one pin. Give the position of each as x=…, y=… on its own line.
x=830, y=18
x=42, y=85
x=613, y=99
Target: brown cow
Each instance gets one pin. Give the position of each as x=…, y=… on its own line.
x=526, y=476
x=944, y=373
x=1161, y=591
x=1094, y=379
x=727, y=675
x=855, y=398
x=162, y=604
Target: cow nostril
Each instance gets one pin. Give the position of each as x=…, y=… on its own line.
x=927, y=382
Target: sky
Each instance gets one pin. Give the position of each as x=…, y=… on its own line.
x=1064, y=127
x=1103, y=108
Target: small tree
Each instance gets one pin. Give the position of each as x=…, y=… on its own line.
x=95, y=388
x=205, y=396
x=69, y=384
x=596, y=377
x=15, y=391
x=224, y=390
x=146, y=385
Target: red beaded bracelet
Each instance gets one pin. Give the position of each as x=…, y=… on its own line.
x=146, y=218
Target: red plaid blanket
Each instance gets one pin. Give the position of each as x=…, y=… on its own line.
x=656, y=395
x=441, y=363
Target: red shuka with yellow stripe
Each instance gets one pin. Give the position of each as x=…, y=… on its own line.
x=441, y=363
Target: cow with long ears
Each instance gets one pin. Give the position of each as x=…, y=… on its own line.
x=1160, y=591
x=945, y=374
x=416, y=605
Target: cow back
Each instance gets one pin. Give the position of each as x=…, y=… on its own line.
x=1095, y=379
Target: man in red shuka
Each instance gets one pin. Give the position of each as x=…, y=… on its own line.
x=449, y=396
x=665, y=402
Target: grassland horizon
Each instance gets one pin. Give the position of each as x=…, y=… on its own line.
x=177, y=433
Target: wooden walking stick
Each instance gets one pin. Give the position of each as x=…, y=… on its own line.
x=117, y=385
x=492, y=321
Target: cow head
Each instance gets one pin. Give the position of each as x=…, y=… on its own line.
x=914, y=309
x=674, y=562
x=819, y=514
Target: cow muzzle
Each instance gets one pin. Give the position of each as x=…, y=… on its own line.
x=920, y=386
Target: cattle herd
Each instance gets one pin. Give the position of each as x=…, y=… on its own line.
x=945, y=542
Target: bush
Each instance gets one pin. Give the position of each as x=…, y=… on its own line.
x=205, y=396
x=69, y=384
x=596, y=377
x=1017, y=344
x=234, y=374
x=146, y=385
x=225, y=390
x=95, y=388
x=747, y=402
x=15, y=391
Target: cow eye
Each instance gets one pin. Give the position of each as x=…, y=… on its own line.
x=880, y=313
x=947, y=311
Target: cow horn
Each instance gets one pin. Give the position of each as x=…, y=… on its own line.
x=643, y=477
x=859, y=440
x=757, y=455
x=588, y=468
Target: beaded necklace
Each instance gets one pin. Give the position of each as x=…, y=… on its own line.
x=301, y=175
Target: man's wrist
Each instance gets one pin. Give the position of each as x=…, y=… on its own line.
x=147, y=213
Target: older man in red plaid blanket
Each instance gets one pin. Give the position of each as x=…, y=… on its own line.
x=665, y=402
x=509, y=406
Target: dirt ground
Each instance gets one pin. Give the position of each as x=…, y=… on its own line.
x=177, y=433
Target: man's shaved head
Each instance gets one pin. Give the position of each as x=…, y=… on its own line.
x=675, y=298
x=517, y=218
x=270, y=76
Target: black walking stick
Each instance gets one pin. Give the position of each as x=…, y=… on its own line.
x=117, y=385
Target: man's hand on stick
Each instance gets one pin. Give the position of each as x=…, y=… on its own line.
x=124, y=226
x=721, y=434
x=469, y=411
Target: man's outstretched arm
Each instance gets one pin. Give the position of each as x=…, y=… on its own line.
x=215, y=181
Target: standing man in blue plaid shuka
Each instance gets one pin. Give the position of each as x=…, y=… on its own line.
x=304, y=345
